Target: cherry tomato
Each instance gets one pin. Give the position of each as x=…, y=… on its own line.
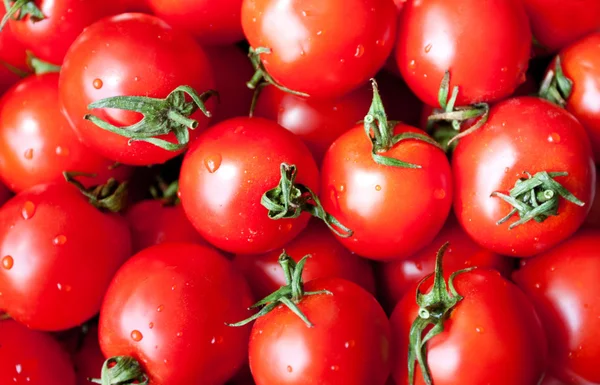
x=99, y=65
x=31, y=357
x=564, y=285
x=58, y=254
x=37, y=143
x=523, y=135
x=324, y=48
x=167, y=307
x=226, y=172
x=11, y=49
x=437, y=36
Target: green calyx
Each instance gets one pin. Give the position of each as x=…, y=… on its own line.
x=381, y=133
x=121, y=370
x=289, y=295
x=535, y=197
x=289, y=199
x=556, y=87
x=165, y=192
x=434, y=309
x=19, y=10
x=261, y=77
x=111, y=196
x=161, y=116
x=39, y=66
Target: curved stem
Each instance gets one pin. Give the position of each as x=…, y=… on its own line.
x=262, y=75
x=24, y=8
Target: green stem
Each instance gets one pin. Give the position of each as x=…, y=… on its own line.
x=261, y=75
x=23, y=8
x=556, y=87
x=111, y=196
x=41, y=67
x=121, y=370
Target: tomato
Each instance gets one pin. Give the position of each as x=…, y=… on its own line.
x=211, y=22
x=437, y=36
x=328, y=259
x=12, y=51
x=31, y=357
x=63, y=20
x=396, y=278
x=99, y=66
x=37, y=143
x=167, y=308
x=54, y=269
x=324, y=48
x=226, y=172
x=564, y=285
x=556, y=24
x=7, y=78
x=88, y=359
x=523, y=135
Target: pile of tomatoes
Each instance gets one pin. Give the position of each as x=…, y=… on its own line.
x=270, y=192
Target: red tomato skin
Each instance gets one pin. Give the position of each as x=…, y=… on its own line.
x=211, y=22
x=37, y=142
x=556, y=24
x=347, y=41
x=396, y=278
x=436, y=36
x=50, y=38
x=103, y=52
x=349, y=343
x=563, y=283
x=225, y=174
x=371, y=199
x=31, y=357
x=521, y=134
x=178, y=296
x=328, y=259
x=55, y=270
x=152, y=223
x=88, y=359
x=12, y=53
x=493, y=336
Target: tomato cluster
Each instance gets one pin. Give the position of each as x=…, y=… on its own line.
x=296, y=192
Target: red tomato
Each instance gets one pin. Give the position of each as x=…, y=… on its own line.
x=522, y=135
x=11, y=49
x=88, y=359
x=33, y=358
x=395, y=279
x=348, y=344
x=492, y=336
x=211, y=22
x=437, y=36
x=54, y=268
x=324, y=48
x=226, y=172
x=7, y=78
x=37, y=143
x=167, y=307
x=63, y=20
x=564, y=285
x=328, y=259
x=99, y=65
x=556, y=23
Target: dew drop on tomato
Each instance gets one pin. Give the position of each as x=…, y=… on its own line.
x=554, y=138
x=160, y=308
x=290, y=369
x=8, y=262
x=150, y=325
x=335, y=368
x=136, y=335
x=439, y=193
x=59, y=240
x=428, y=48
x=360, y=50
x=349, y=344
x=28, y=153
x=28, y=210
x=62, y=151
x=213, y=162
x=97, y=83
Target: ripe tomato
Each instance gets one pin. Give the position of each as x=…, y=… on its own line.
x=564, y=285
x=54, y=269
x=37, y=143
x=322, y=48
x=31, y=357
x=523, y=135
x=63, y=20
x=328, y=259
x=167, y=308
x=11, y=49
x=437, y=36
x=7, y=78
x=99, y=65
x=226, y=172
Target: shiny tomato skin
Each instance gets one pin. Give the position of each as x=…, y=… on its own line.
x=167, y=307
x=226, y=172
x=521, y=134
x=563, y=283
x=211, y=22
x=12, y=52
x=101, y=57
x=328, y=259
x=347, y=41
x=31, y=357
x=494, y=329
x=37, y=142
x=436, y=36
x=348, y=344
x=393, y=211
x=54, y=269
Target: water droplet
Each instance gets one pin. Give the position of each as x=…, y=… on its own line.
x=59, y=240
x=61, y=151
x=479, y=330
x=173, y=287
x=506, y=170
x=419, y=266
x=151, y=325
x=504, y=69
x=425, y=76
x=377, y=188
x=554, y=138
x=552, y=268
x=342, y=61
x=538, y=285
x=136, y=335
x=360, y=50
x=439, y=193
x=179, y=334
x=349, y=344
x=428, y=48
x=97, y=83
x=28, y=153
x=302, y=53
x=238, y=130
x=335, y=368
x=254, y=19
x=290, y=369
x=160, y=308
x=536, y=239
x=319, y=33
x=412, y=64
x=342, y=188
x=18, y=368
x=136, y=79
x=213, y=162
x=28, y=210
x=8, y=262
x=304, y=13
